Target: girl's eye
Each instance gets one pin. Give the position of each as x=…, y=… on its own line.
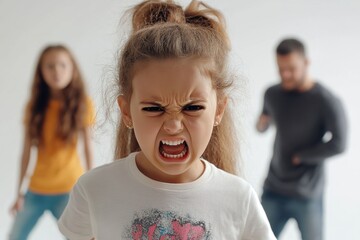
x=50, y=66
x=193, y=108
x=153, y=109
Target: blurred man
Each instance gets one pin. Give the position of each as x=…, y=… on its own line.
x=311, y=127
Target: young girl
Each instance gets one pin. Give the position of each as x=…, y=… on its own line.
x=58, y=111
x=175, y=133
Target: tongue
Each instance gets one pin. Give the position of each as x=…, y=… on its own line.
x=173, y=150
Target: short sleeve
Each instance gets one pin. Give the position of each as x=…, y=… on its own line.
x=89, y=118
x=257, y=225
x=75, y=222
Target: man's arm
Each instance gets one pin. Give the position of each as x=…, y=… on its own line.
x=336, y=124
x=264, y=120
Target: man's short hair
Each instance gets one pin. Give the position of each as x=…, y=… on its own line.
x=290, y=45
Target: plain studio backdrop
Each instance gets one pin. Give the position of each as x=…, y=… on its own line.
x=91, y=29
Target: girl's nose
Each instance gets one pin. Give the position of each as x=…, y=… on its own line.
x=173, y=125
x=58, y=68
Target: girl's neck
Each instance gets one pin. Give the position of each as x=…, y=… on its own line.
x=146, y=168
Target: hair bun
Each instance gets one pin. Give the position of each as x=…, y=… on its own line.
x=198, y=13
x=198, y=20
x=151, y=12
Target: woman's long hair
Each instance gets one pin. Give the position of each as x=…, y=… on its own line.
x=72, y=107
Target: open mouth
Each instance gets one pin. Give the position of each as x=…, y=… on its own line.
x=173, y=150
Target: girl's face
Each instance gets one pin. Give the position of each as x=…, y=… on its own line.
x=57, y=69
x=173, y=109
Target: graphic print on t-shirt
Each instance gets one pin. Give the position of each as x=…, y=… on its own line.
x=166, y=225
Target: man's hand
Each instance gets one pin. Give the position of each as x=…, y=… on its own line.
x=296, y=160
x=263, y=123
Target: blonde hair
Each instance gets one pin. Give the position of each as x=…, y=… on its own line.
x=72, y=108
x=161, y=30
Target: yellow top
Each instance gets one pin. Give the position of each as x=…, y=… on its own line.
x=58, y=164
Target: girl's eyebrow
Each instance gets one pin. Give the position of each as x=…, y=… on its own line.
x=195, y=101
x=151, y=103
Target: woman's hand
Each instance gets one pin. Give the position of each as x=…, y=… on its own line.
x=18, y=205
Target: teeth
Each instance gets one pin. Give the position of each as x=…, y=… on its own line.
x=174, y=156
x=172, y=143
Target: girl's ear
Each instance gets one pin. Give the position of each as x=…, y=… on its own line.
x=124, y=106
x=221, y=106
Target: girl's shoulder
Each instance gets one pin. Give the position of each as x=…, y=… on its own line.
x=240, y=195
x=225, y=181
x=106, y=173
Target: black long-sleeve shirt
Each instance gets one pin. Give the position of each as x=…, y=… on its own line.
x=301, y=120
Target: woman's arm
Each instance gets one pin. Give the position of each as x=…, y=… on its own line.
x=25, y=158
x=87, y=134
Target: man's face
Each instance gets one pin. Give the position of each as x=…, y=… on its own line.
x=292, y=70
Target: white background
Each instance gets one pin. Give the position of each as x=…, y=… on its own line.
x=331, y=30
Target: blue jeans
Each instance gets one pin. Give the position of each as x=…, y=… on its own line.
x=308, y=214
x=34, y=207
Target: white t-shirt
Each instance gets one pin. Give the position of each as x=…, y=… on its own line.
x=116, y=201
